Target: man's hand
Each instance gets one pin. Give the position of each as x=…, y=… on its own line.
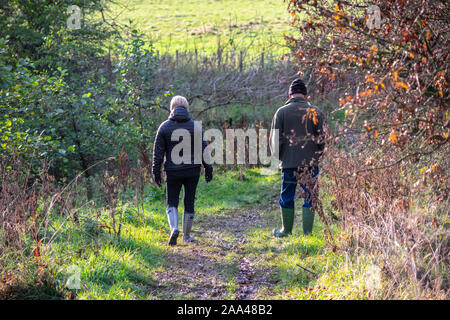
x=208, y=174
x=157, y=178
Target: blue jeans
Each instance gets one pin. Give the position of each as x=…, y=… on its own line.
x=288, y=186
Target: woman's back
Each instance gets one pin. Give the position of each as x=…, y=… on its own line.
x=180, y=141
x=170, y=143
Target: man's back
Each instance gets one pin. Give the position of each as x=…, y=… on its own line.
x=297, y=131
x=300, y=126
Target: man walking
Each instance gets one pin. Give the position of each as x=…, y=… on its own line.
x=300, y=144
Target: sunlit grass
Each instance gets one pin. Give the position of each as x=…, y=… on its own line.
x=188, y=25
x=124, y=267
x=128, y=267
x=303, y=267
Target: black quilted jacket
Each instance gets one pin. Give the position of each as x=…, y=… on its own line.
x=163, y=146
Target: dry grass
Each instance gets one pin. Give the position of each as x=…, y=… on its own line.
x=402, y=228
x=26, y=201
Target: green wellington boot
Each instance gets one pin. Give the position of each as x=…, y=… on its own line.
x=308, y=220
x=287, y=220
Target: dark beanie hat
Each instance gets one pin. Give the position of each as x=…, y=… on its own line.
x=298, y=86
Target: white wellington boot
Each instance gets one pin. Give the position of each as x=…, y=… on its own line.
x=172, y=216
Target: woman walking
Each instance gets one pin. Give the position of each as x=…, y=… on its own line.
x=182, y=170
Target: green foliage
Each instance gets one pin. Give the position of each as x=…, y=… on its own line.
x=135, y=100
x=23, y=109
x=61, y=100
x=40, y=29
x=45, y=111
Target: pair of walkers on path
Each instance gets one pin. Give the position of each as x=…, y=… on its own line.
x=299, y=141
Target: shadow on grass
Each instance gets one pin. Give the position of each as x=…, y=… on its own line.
x=30, y=291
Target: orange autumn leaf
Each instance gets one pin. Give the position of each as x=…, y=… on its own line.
x=313, y=115
x=315, y=120
x=396, y=73
x=393, y=137
x=395, y=76
x=37, y=250
x=375, y=134
x=401, y=84
x=369, y=79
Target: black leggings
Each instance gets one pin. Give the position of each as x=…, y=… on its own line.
x=173, y=189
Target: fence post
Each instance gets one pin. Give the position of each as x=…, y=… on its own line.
x=196, y=59
x=262, y=60
x=219, y=53
x=232, y=59
x=241, y=61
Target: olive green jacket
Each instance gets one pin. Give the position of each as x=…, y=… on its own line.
x=300, y=139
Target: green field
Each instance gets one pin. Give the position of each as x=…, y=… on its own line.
x=198, y=24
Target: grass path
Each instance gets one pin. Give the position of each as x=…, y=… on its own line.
x=216, y=266
x=235, y=255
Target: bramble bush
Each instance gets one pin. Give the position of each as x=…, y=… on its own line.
x=388, y=158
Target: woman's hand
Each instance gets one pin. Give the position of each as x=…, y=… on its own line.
x=208, y=174
x=157, y=179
